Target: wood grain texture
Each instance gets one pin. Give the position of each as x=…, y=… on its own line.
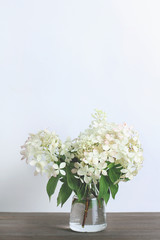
x=47, y=226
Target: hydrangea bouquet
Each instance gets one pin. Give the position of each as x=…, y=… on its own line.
x=93, y=163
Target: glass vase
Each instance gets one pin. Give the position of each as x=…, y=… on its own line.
x=87, y=215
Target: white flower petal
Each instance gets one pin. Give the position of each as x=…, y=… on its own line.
x=104, y=165
x=62, y=172
x=38, y=170
x=42, y=164
x=76, y=165
x=104, y=172
x=91, y=170
x=56, y=172
x=74, y=170
x=81, y=172
x=62, y=165
x=111, y=159
x=87, y=179
x=124, y=170
x=95, y=181
x=33, y=162
x=55, y=166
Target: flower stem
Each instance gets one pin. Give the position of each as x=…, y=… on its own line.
x=99, y=203
x=85, y=212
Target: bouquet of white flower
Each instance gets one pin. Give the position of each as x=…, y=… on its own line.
x=93, y=163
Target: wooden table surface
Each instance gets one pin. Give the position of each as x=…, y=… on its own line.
x=47, y=226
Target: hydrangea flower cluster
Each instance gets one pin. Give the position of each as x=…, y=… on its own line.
x=104, y=143
x=103, y=155
x=42, y=151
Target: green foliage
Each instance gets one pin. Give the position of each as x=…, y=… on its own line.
x=104, y=189
x=106, y=185
x=126, y=179
x=64, y=194
x=107, y=196
x=81, y=191
x=110, y=165
x=114, y=189
x=119, y=166
x=72, y=182
x=114, y=174
x=51, y=186
x=63, y=179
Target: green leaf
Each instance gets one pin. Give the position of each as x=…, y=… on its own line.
x=118, y=170
x=103, y=189
x=73, y=182
x=107, y=196
x=113, y=175
x=127, y=179
x=114, y=189
x=64, y=194
x=111, y=165
x=118, y=165
x=51, y=186
x=62, y=179
x=81, y=191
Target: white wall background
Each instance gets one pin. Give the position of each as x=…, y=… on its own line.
x=59, y=60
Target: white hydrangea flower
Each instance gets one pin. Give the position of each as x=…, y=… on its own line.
x=103, y=143
x=106, y=142
x=59, y=169
x=102, y=168
x=42, y=150
x=66, y=150
x=39, y=165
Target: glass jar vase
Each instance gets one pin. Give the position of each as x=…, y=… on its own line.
x=87, y=215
